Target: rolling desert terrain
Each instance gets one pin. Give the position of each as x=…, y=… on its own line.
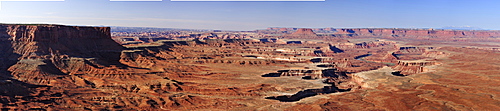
x=57, y=67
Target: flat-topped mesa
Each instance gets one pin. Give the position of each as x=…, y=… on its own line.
x=413, y=50
x=413, y=67
x=36, y=53
x=367, y=45
x=308, y=73
x=36, y=40
x=303, y=32
x=416, y=63
x=313, y=73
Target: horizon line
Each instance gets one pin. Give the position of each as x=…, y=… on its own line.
x=371, y=27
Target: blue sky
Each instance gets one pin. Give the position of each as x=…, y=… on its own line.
x=258, y=15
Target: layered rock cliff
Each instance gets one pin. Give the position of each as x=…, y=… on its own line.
x=304, y=31
x=47, y=67
x=412, y=67
x=41, y=51
x=423, y=34
x=38, y=60
x=37, y=40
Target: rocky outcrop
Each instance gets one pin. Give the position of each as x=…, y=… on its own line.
x=311, y=74
x=416, y=53
x=366, y=45
x=301, y=33
x=335, y=49
x=304, y=31
x=238, y=62
x=413, y=50
x=412, y=67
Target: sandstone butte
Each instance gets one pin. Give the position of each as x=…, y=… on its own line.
x=55, y=67
x=304, y=31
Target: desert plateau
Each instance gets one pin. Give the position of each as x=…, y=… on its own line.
x=59, y=67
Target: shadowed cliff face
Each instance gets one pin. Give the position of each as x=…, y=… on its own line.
x=50, y=40
x=41, y=54
x=7, y=57
x=12, y=90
